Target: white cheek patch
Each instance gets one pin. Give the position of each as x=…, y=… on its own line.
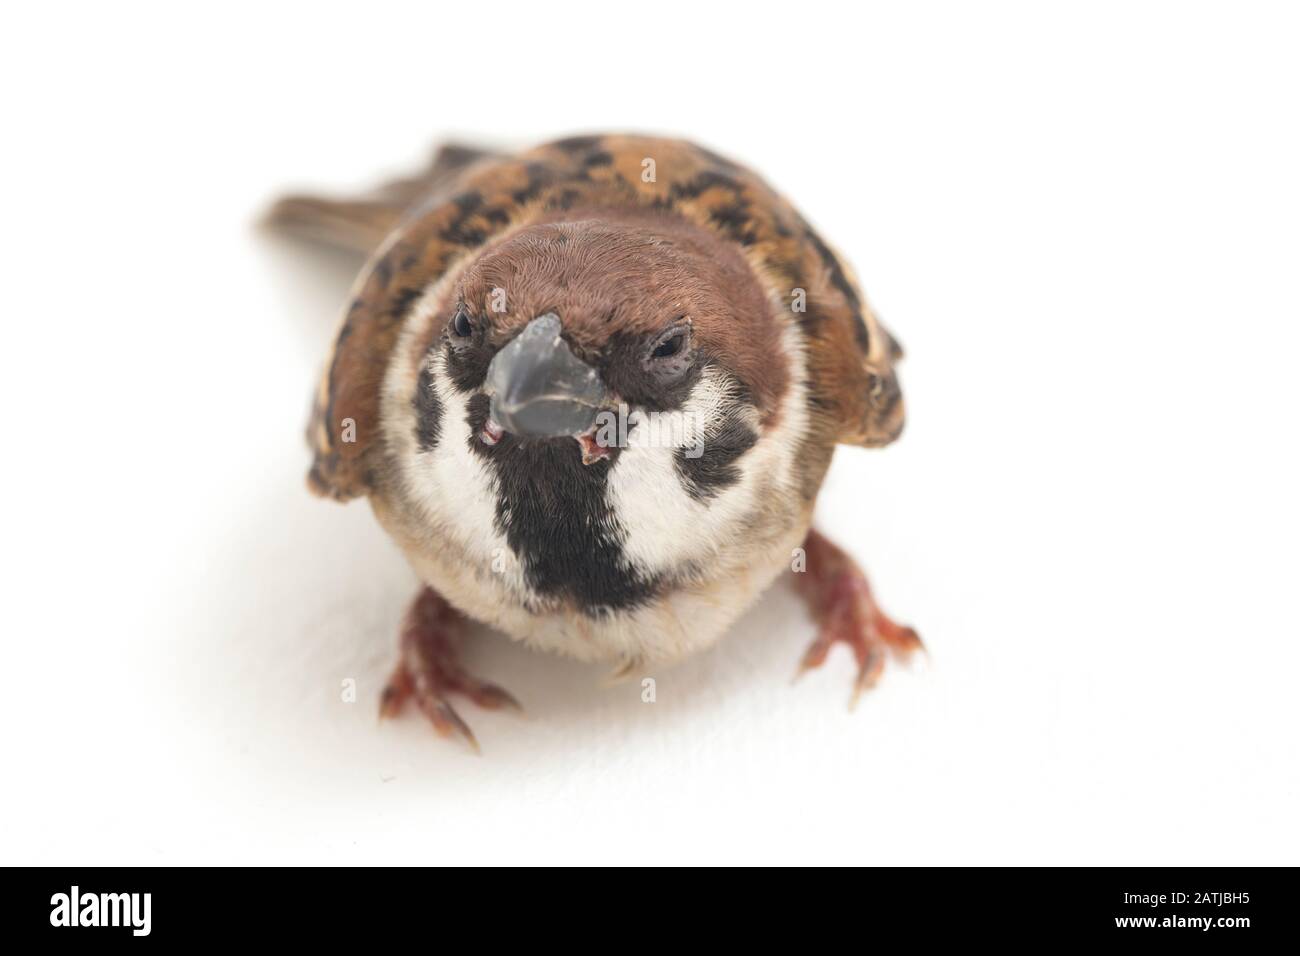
x=665, y=528
x=457, y=490
x=715, y=397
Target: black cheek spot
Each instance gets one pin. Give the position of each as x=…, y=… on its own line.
x=428, y=411
x=715, y=469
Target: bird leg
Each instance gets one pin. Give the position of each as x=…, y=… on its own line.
x=428, y=670
x=841, y=602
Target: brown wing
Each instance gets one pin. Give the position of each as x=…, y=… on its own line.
x=853, y=356
x=850, y=374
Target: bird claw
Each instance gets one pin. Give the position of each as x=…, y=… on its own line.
x=840, y=599
x=427, y=671
x=488, y=696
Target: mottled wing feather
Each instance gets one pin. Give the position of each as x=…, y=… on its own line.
x=844, y=343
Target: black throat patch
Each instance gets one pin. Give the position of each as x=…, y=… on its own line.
x=554, y=514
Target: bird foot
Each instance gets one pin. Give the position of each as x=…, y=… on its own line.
x=428, y=671
x=840, y=599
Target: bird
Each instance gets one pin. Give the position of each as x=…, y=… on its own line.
x=592, y=390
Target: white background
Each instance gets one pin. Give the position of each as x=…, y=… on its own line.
x=1083, y=222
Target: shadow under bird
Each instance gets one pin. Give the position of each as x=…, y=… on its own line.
x=592, y=391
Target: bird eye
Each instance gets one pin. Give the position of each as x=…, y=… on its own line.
x=671, y=349
x=670, y=346
x=461, y=324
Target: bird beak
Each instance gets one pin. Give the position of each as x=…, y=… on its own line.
x=540, y=389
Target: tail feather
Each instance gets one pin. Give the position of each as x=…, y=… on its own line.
x=361, y=224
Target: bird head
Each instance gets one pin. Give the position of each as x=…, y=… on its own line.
x=564, y=327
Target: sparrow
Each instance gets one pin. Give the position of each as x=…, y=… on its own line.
x=591, y=391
